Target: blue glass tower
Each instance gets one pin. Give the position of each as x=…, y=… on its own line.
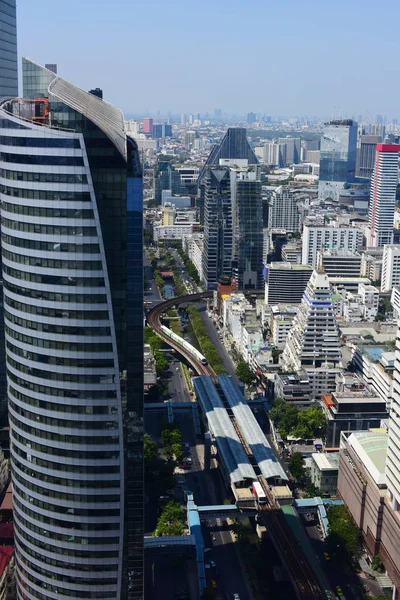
x=338, y=158
x=8, y=49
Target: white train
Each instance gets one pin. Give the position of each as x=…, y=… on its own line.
x=184, y=343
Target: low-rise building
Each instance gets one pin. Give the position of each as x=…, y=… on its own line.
x=324, y=472
x=291, y=252
x=172, y=232
x=375, y=363
x=339, y=263
x=150, y=375
x=293, y=387
x=281, y=320
x=362, y=486
x=352, y=407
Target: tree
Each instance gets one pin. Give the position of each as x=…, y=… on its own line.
x=244, y=373
x=171, y=519
x=150, y=448
x=161, y=363
x=344, y=539
x=311, y=491
x=296, y=466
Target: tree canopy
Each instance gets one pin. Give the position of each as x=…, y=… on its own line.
x=296, y=466
x=304, y=423
x=244, y=373
x=171, y=520
x=344, y=539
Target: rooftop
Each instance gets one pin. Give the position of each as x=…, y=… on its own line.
x=326, y=460
x=371, y=448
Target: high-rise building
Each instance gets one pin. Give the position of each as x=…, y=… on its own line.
x=165, y=178
x=190, y=136
x=313, y=341
x=162, y=130
x=217, y=113
x=247, y=227
x=72, y=271
x=97, y=92
x=338, y=158
x=393, y=451
x=251, y=118
x=51, y=67
x=218, y=233
x=383, y=195
x=234, y=145
x=147, y=125
x=317, y=237
x=366, y=155
x=8, y=49
x=292, y=150
x=390, y=267
x=283, y=211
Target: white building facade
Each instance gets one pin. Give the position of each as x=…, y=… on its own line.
x=317, y=237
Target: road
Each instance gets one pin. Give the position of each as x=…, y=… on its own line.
x=213, y=334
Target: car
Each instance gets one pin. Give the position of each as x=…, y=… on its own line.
x=186, y=445
x=339, y=590
x=327, y=556
x=213, y=584
x=177, y=369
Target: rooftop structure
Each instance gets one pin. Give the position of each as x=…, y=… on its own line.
x=285, y=282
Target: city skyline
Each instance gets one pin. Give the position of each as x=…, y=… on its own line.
x=173, y=83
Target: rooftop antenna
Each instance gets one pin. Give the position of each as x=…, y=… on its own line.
x=340, y=113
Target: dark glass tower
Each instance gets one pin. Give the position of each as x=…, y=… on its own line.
x=73, y=279
x=8, y=49
x=338, y=158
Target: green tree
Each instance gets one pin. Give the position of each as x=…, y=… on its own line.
x=161, y=363
x=344, y=539
x=296, y=466
x=244, y=373
x=150, y=448
x=312, y=491
x=171, y=520
x=284, y=416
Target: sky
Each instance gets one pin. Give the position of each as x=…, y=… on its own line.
x=275, y=57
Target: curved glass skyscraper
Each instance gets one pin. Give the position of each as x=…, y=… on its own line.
x=71, y=224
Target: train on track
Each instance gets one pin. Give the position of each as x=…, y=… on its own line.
x=184, y=344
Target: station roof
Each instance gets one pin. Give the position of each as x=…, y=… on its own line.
x=232, y=451
x=251, y=430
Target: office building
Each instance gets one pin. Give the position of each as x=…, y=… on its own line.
x=293, y=387
x=72, y=248
x=234, y=145
x=162, y=130
x=363, y=485
x=217, y=113
x=251, y=118
x=324, y=472
x=339, y=263
x=390, y=267
x=338, y=158
x=96, y=92
x=165, y=178
x=247, y=227
x=328, y=237
x=313, y=341
x=190, y=136
x=218, y=231
x=285, y=282
x=52, y=67
x=366, y=155
x=283, y=211
x=8, y=49
x=292, y=150
x=313, y=157
x=281, y=319
x=383, y=195
x=147, y=125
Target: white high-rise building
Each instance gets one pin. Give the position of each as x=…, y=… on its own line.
x=390, y=267
x=383, y=195
x=393, y=451
x=317, y=237
x=283, y=210
x=313, y=341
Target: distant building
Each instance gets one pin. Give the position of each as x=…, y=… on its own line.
x=165, y=178
x=97, y=92
x=190, y=136
x=313, y=341
x=283, y=210
x=52, y=67
x=292, y=150
x=161, y=131
x=338, y=158
x=147, y=125
x=317, y=237
x=285, y=282
x=366, y=155
x=383, y=195
x=8, y=49
x=251, y=118
x=313, y=156
x=339, y=263
x=390, y=267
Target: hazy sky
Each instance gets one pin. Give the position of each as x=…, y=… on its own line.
x=278, y=57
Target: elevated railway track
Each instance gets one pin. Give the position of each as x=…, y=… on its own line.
x=303, y=578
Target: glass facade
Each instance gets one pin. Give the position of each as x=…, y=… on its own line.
x=72, y=267
x=8, y=49
x=338, y=157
